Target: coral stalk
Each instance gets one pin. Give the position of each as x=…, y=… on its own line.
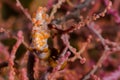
x=12, y=56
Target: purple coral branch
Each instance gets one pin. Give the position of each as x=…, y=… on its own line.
x=49, y=4
x=113, y=75
x=105, y=54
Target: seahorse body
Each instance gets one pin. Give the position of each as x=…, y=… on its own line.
x=40, y=32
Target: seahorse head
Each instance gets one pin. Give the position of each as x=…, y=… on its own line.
x=40, y=17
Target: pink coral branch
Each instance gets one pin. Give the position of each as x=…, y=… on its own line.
x=77, y=54
x=55, y=7
x=65, y=39
x=12, y=55
x=4, y=52
x=113, y=12
x=23, y=72
x=23, y=10
x=102, y=58
x=96, y=33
